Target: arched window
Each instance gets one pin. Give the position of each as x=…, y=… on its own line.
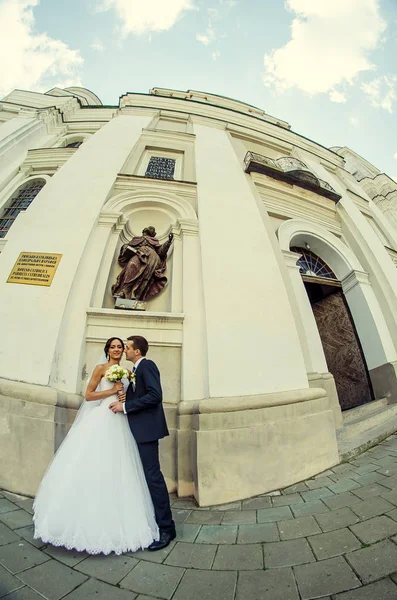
x=312, y=265
x=20, y=201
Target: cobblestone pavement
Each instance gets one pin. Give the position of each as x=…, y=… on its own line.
x=333, y=536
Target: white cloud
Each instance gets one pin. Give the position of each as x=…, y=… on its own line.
x=143, y=16
x=329, y=46
x=30, y=60
x=354, y=121
x=97, y=45
x=216, y=54
x=208, y=38
x=395, y=156
x=336, y=96
x=382, y=91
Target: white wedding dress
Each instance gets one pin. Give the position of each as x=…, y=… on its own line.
x=94, y=495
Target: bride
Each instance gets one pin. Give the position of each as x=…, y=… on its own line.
x=94, y=495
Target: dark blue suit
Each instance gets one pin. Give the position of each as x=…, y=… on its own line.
x=147, y=422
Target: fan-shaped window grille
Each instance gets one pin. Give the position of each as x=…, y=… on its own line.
x=20, y=201
x=74, y=145
x=312, y=265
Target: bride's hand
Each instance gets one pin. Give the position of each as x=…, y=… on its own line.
x=118, y=387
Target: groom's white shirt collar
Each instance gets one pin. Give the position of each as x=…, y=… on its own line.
x=138, y=361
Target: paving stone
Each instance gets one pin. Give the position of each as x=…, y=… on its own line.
x=318, y=482
x=393, y=514
x=375, y=529
x=97, y=590
x=206, y=585
x=157, y=557
x=270, y=515
x=342, y=468
x=21, y=555
x=12, y=497
x=297, y=528
x=369, y=478
x=67, y=557
x=366, y=468
x=381, y=590
x=374, y=562
x=205, y=517
x=336, y=519
x=344, y=486
x=184, y=503
x=191, y=556
x=312, y=495
x=243, y=557
x=391, y=496
x=386, y=461
x=388, y=471
x=8, y=582
x=338, y=477
x=27, y=534
x=52, y=579
x=16, y=518
x=391, y=482
x=370, y=491
x=153, y=579
x=297, y=487
x=309, y=508
x=325, y=577
x=26, y=504
x=24, y=593
x=111, y=568
x=287, y=554
x=252, y=534
x=7, y=535
x=274, y=584
x=228, y=506
x=341, y=500
x=372, y=507
x=255, y=503
x=6, y=506
x=334, y=543
x=218, y=534
x=287, y=499
x=243, y=517
x=186, y=532
x=180, y=514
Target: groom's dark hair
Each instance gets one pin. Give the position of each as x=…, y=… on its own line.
x=140, y=343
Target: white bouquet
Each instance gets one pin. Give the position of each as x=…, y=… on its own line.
x=116, y=373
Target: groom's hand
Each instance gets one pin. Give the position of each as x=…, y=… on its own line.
x=116, y=407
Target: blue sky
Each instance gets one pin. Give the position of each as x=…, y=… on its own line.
x=325, y=66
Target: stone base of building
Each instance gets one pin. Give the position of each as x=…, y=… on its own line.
x=219, y=450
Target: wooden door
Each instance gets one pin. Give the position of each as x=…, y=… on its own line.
x=342, y=350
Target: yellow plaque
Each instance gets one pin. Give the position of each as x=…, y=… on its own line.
x=35, y=268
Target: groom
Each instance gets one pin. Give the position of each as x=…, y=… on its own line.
x=144, y=409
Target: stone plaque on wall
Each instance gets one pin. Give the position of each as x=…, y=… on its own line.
x=34, y=268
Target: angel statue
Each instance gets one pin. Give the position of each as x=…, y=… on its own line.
x=144, y=263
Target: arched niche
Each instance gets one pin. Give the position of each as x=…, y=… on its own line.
x=134, y=210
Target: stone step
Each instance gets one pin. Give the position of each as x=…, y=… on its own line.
x=367, y=421
x=365, y=409
x=366, y=439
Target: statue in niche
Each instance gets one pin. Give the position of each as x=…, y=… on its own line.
x=144, y=264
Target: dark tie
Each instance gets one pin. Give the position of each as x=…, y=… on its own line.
x=134, y=369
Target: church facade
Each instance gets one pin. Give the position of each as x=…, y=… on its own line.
x=276, y=328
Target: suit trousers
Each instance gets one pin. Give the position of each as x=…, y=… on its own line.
x=149, y=453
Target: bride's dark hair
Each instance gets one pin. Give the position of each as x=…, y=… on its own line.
x=107, y=345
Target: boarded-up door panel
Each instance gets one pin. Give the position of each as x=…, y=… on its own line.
x=342, y=350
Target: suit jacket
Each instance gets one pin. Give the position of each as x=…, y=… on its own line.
x=144, y=405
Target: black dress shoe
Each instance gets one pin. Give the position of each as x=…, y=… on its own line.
x=166, y=538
